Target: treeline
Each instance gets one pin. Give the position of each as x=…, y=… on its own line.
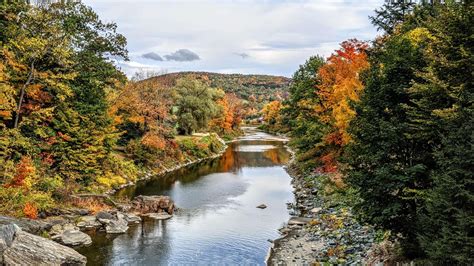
x=254, y=90
x=391, y=123
x=71, y=121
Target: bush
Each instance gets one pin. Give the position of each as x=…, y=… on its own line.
x=19, y=202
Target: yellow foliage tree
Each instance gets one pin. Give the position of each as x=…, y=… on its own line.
x=340, y=85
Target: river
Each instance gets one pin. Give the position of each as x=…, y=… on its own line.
x=217, y=222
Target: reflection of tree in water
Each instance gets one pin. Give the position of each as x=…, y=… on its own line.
x=149, y=240
x=231, y=160
x=277, y=156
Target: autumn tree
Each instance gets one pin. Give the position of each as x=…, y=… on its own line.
x=231, y=114
x=271, y=115
x=144, y=111
x=223, y=123
x=56, y=80
x=340, y=86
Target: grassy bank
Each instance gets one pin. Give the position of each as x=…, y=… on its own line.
x=41, y=194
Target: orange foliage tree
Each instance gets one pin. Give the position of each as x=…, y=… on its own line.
x=144, y=108
x=231, y=116
x=24, y=169
x=340, y=85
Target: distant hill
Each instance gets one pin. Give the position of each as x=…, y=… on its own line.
x=264, y=88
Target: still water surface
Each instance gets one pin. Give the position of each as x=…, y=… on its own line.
x=217, y=222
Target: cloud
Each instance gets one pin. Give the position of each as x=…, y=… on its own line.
x=243, y=55
x=182, y=55
x=278, y=35
x=152, y=56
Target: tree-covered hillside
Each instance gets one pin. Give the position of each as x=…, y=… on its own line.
x=253, y=88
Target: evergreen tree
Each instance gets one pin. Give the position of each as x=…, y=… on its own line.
x=443, y=111
x=388, y=160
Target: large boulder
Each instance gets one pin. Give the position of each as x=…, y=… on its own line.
x=152, y=204
x=28, y=225
x=28, y=249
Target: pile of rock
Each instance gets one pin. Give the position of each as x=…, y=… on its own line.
x=21, y=245
x=318, y=232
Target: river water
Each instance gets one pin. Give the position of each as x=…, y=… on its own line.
x=217, y=222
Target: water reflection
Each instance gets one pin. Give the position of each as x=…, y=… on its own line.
x=217, y=222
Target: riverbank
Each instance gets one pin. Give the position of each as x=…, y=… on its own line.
x=66, y=223
x=321, y=230
x=173, y=165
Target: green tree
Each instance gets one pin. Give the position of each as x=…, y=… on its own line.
x=299, y=114
x=388, y=159
x=409, y=161
x=443, y=112
x=196, y=104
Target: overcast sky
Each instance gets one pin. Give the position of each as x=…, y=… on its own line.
x=260, y=37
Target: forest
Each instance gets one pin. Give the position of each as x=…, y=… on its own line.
x=388, y=125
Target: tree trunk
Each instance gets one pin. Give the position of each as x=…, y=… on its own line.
x=22, y=95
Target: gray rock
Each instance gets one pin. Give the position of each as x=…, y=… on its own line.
x=299, y=221
x=118, y=225
x=262, y=206
x=28, y=249
x=58, y=229
x=88, y=222
x=75, y=238
x=7, y=235
x=159, y=215
x=104, y=217
x=69, y=235
x=132, y=218
x=28, y=225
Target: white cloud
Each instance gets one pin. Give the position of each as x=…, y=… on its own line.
x=276, y=35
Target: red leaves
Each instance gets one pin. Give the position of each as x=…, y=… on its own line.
x=329, y=163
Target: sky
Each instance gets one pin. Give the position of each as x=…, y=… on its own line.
x=234, y=36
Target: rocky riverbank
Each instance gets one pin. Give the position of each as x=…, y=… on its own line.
x=45, y=241
x=320, y=231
